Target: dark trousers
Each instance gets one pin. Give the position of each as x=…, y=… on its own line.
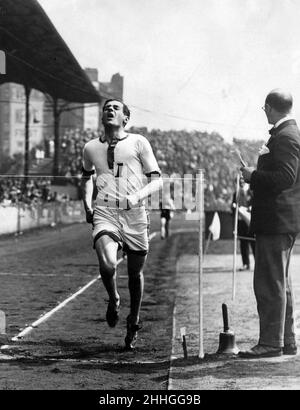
x=243, y=230
x=273, y=289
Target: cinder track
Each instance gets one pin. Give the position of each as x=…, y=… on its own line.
x=75, y=348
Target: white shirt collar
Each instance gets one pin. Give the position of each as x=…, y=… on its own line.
x=286, y=118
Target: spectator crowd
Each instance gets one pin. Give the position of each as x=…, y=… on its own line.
x=28, y=191
x=177, y=152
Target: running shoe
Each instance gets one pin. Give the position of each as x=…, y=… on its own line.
x=112, y=313
x=131, y=336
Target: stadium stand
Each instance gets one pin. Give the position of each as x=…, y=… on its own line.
x=180, y=152
x=29, y=191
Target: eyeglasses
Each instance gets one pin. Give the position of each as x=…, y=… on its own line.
x=264, y=107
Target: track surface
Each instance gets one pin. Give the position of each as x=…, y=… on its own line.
x=74, y=348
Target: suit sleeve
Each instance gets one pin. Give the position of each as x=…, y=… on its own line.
x=284, y=167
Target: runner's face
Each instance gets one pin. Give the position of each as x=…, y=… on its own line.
x=113, y=114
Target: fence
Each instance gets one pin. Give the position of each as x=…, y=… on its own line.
x=20, y=217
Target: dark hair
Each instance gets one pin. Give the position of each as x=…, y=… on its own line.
x=280, y=101
x=126, y=110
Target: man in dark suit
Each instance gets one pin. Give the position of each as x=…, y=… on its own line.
x=275, y=220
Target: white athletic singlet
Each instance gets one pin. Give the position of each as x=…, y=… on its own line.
x=133, y=158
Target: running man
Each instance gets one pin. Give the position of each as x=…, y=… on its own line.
x=120, y=161
x=167, y=208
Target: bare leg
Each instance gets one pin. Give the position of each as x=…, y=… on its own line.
x=167, y=228
x=135, y=284
x=163, y=228
x=106, y=249
x=136, y=288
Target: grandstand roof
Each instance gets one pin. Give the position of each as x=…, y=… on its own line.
x=37, y=56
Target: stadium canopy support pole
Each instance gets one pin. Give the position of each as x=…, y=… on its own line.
x=56, y=116
x=200, y=203
x=235, y=234
x=27, y=119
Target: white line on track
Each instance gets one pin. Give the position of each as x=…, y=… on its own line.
x=117, y=362
x=47, y=315
x=46, y=275
x=43, y=318
x=152, y=235
x=4, y=358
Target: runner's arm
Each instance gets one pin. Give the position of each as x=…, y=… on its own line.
x=154, y=185
x=87, y=186
x=151, y=170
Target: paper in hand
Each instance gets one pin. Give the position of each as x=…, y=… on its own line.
x=242, y=161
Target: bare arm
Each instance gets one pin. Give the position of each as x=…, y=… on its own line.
x=87, y=187
x=154, y=185
x=152, y=172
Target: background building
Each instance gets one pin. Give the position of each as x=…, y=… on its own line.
x=74, y=116
x=87, y=116
x=12, y=119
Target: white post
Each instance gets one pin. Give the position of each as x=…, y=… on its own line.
x=3, y=335
x=2, y=323
x=235, y=234
x=18, y=219
x=200, y=203
x=207, y=244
